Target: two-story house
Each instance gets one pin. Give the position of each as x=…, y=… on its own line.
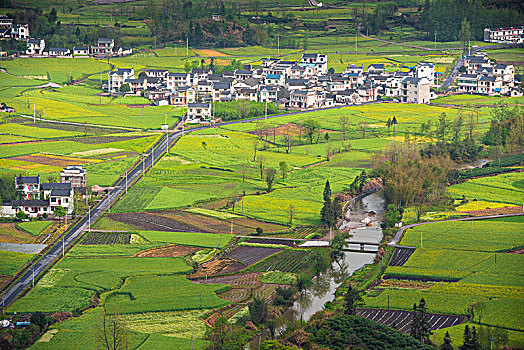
x=29, y=185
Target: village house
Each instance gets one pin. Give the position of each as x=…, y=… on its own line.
x=32, y=207
x=320, y=61
x=57, y=52
x=117, y=77
x=103, y=47
x=81, y=51
x=198, y=113
x=76, y=175
x=35, y=47
x=505, y=35
x=415, y=90
x=174, y=80
x=29, y=186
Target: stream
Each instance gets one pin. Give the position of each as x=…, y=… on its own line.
x=325, y=284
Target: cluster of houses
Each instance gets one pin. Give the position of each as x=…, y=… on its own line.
x=290, y=84
x=10, y=31
x=105, y=47
x=505, y=35
x=485, y=77
x=41, y=199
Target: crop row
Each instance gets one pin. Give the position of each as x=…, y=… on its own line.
x=106, y=238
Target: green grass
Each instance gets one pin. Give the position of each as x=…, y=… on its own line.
x=106, y=173
x=504, y=188
x=278, y=277
x=204, y=240
x=472, y=100
x=12, y=262
x=38, y=133
x=34, y=227
x=53, y=147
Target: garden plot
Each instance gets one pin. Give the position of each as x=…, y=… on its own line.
x=288, y=242
x=246, y=279
x=251, y=255
x=95, y=238
x=168, y=251
x=217, y=267
x=401, y=320
x=400, y=256
x=152, y=222
x=235, y=295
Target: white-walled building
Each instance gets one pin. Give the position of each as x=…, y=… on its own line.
x=504, y=35
x=117, y=77
x=320, y=61
x=35, y=47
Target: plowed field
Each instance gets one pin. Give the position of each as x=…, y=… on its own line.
x=222, y=266
x=251, y=255
x=167, y=251
x=246, y=279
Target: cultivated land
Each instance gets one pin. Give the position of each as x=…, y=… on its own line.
x=462, y=267
x=180, y=214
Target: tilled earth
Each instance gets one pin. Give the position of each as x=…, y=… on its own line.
x=153, y=222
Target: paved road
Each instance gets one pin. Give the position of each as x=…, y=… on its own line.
x=400, y=232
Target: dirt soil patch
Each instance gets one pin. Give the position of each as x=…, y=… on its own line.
x=251, y=255
x=153, y=222
x=518, y=251
x=235, y=295
x=495, y=211
x=217, y=267
x=211, y=53
x=10, y=234
x=52, y=160
x=171, y=251
x=245, y=279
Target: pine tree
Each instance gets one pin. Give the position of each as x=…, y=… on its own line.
x=467, y=339
x=447, y=343
x=352, y=299
x=326, y=214
x=420, y=328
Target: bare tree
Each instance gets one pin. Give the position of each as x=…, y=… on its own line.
x=344, y=123
x=261, y=164
x=255, y=147
x=110, y=332
x=244, y=168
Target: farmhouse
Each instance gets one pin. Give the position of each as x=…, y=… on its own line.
x=57, y=52
x=505, y=35
x=29, y=186
x=35, y=47
x=198, y=112
x=76, y=175
x=117, y=77
x=32, y=207
x=81, y=51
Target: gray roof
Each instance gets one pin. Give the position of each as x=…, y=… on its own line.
x=488, y=79
x=83, y=48
x=58, y=186
x=309, y=55
x=377, y=66
x=411, y=80
x=300, y=92
x=199, y=105
x=55, y=192
x=59, y=49
x=222, y=85
x=105, y=40
x=244, y=72
x=34, y=41
x=27, y=179
x=296, y=82
x=30, y=203
x=178, y=75
x=75, y=167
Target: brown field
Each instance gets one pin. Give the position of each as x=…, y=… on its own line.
x=10, y=234
x=171, y=251
x=51, y=160
x=217, y=267
x=291, y=129
x=518, y=251
x=245, y=279
x=211, y=53
x=235, y=295
x=495, y=211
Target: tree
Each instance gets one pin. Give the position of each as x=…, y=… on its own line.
x=255, y=146
x=447, y=343
x=464, y=34
x=442, y=127
x=457, y=127
x=311, y=126
x=352, y=300
x=39, y=319
x=420, y=328
x=394, y=122
x=331, y=70
x=125, y=88
x=388, y=124
x=60, y=211
x=337, y=246
x=261, y=164
x=328, y=214
x=479, y=309
x=21, y=215
x=283, y=169
x=344, y=123
x=110, y=331
x=258, y=310
x=270, y=178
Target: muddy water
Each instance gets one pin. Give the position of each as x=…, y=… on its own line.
x=369, y=208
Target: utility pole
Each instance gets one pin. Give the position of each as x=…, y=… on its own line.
x=435, y=40
x=63, y=246
x=89, y=218
x=356, y=41
x=33, y=268
x=278, y=45
x=231, y=228
x=187, y=46
x=34, y=113
x=421, y=239
x=266, y=108
x=126, y=181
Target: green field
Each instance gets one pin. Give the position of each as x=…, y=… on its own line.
x=34, y=227
x=12, y=262
x=504, y=188
x=474, y=257
x=204, y=240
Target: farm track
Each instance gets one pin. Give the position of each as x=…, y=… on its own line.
x=401, y=320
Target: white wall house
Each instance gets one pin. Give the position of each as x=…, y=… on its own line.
x=117, y=77
x=35, y=47
x=198, y=113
